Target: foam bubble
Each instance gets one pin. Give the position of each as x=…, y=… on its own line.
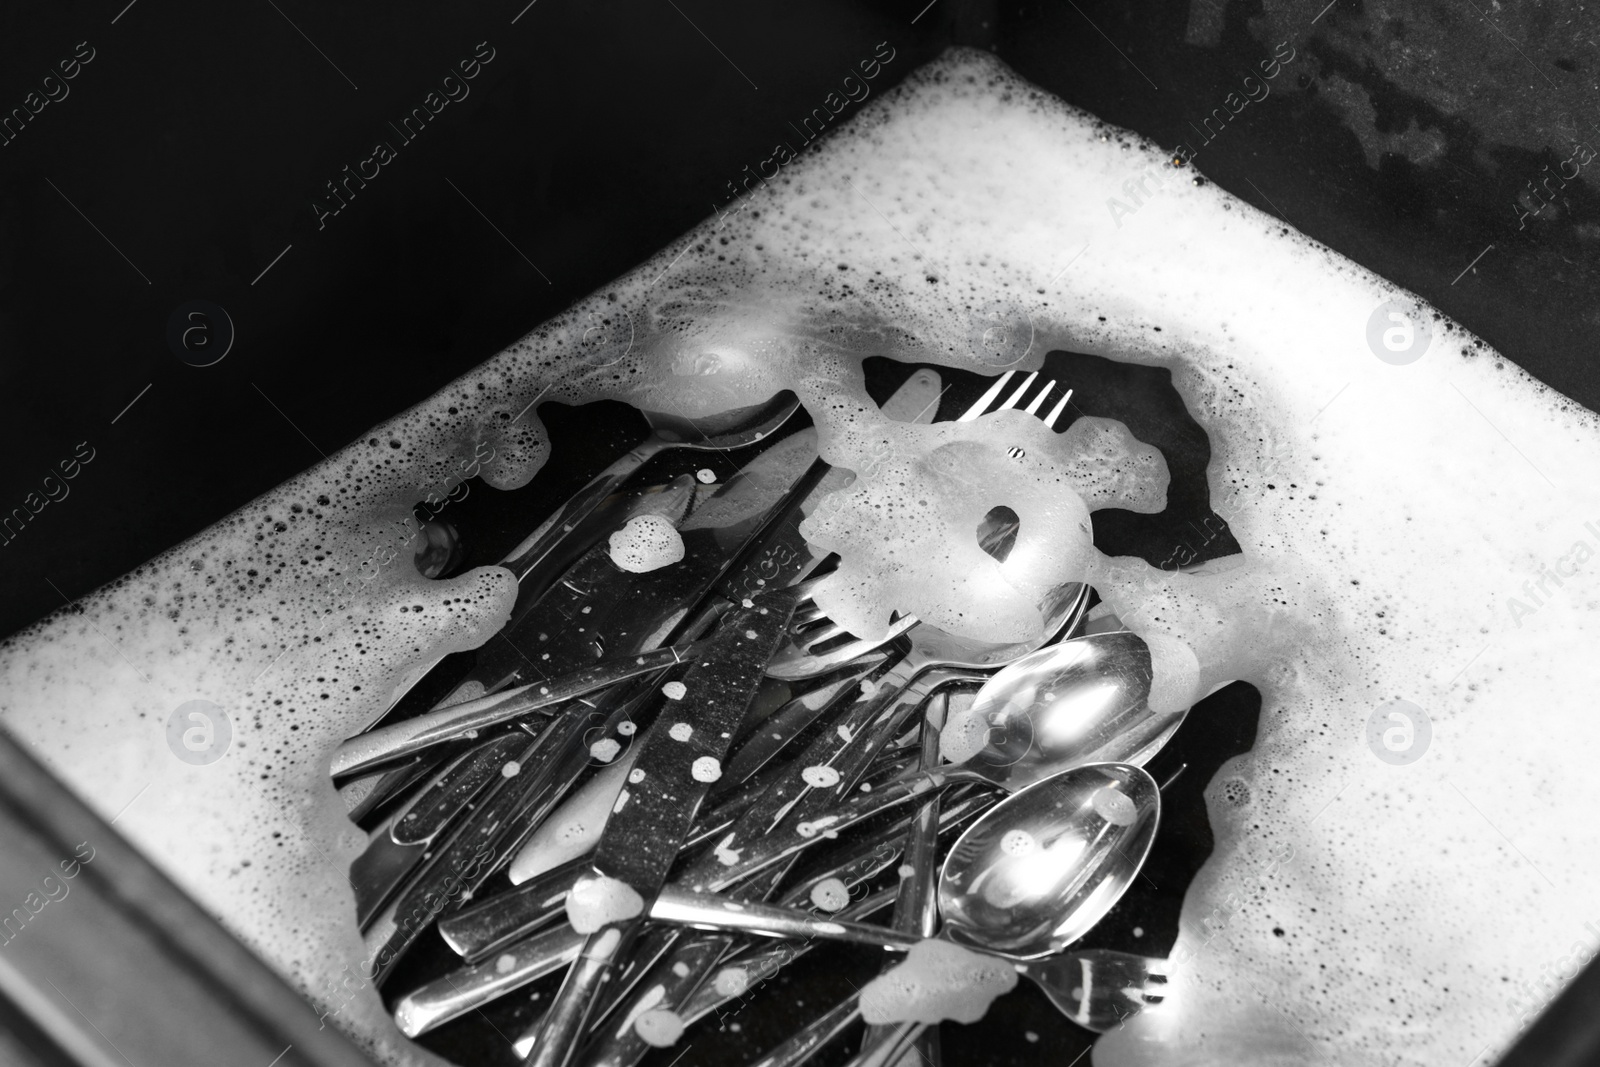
x=596, y=901
x=659, y=1027
x=731, y=981
x=830, y=894
x=820, y=776
x=646, y=543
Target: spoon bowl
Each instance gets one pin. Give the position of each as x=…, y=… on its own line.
x=1082, y=701
x=1040, y=868
x=726, y=430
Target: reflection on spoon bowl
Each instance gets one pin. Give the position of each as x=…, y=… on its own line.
x=1040, y=869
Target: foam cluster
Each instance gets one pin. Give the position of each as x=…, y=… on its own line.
x=937, y=981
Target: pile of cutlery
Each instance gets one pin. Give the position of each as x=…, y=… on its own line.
x=671, y=784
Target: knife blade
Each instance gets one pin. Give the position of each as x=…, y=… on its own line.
x=496, y=827
x=598, y=609
x=680, y=759
x=402, y=842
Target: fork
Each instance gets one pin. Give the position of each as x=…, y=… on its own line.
x=1113, y=987
x=982, y=407
x=1109, y=988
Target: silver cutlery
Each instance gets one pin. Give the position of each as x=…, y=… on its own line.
x=1003, y=892
x=404, y=839
x=725, y=432
x=510, y=964
x=679, y=759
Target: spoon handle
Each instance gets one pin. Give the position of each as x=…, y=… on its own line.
x=715, y=912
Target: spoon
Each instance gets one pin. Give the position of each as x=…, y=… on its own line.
x=1023, y=882
x=1080, y=701
x=723, y=432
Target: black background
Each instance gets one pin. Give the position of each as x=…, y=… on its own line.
x=187, y=155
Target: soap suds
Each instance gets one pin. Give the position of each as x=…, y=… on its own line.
x=596, y=901
x=937, y=981
x=646, y=543
x=1360, y=493
x=659, y=1027
x=830, y=894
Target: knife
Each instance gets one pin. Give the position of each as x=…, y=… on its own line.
x=404, y=839
x=601, y=610
x=481, y=930
x=681, y=757
x=553, y=626
x=513, y=965
x=462, y=720
x=512, y=806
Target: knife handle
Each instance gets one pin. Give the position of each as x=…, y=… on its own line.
x=567, y=1018
x=458, y=720
x=526, y=557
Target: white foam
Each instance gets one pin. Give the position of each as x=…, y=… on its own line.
x=963, y=203
x=937, y=981
x=830, y=894
x=646, y=543
x=659, y=1027
x=1174, y=674
x=596, y=901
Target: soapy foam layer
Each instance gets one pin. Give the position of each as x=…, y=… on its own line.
x=960, y=220
x=937, y=981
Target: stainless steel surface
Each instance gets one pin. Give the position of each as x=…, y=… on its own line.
x=917, y=909
x=680, y=758
x=116, y=953
x=1026, y=880
x=931, y=657
x=512, y=963
x=717, y=433
x=402, y=841
x=1044, y=865
x=461, y=720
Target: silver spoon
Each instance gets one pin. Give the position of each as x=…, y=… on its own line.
x=723, y=432
x=1024, y=882
x=1081, y=701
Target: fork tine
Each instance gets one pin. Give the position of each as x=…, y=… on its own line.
x=809, y=614
x=987, y=398
x=1033, y=406
x=1055, y=412
x=826, y=633
x=1021, y=389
